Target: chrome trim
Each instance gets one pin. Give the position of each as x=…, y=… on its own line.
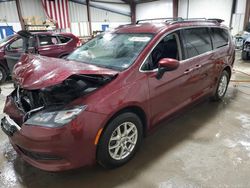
x=182, y=61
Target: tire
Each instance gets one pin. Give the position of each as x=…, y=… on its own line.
x=244, y=55
x=222, y=86
x=3, y=75
x=110, y=157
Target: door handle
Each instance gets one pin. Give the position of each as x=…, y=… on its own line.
x=197, y=66
x=188, y=71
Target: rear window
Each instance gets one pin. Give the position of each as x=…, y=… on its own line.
x=197, y=41
x=64, y=39
x=220, y=37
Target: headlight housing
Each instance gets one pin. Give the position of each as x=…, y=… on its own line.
x=56, y=118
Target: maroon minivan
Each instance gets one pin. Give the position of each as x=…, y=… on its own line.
x=99, y=102
x=46, y=43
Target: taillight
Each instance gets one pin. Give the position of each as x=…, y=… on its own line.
x=78, y=43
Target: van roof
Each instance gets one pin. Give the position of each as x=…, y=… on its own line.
x=156, y=27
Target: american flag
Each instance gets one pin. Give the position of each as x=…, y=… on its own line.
x=57, y=10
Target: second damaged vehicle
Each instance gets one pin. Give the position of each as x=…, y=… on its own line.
x=97, y=104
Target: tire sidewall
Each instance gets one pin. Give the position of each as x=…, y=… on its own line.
x=103, y=156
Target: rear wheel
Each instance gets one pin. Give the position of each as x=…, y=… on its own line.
x=3, y=75
x=222, y=86
x=120, y=140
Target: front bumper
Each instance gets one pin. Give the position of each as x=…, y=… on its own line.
x=56, y=149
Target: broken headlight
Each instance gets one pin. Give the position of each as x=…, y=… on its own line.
x=55, y=118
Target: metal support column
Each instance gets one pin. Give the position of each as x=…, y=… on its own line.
x=89, y=17
x=19, y=12
x=247, y=14
x=133, y=12
x=175, y=8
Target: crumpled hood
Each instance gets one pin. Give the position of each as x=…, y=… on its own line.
x=35, y=71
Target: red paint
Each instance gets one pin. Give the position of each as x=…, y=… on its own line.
x=158, y=99
x=50, y=71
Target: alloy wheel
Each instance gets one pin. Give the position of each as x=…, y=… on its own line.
x=222, y=85
x=123, y=140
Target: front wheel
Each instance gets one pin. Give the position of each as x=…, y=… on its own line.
x=222, y=86
x=120, y=140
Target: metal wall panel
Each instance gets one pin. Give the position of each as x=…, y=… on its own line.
x=77, y=12
x=156, y=9
x=32, y=8
x=98, y=15
x=8, y=11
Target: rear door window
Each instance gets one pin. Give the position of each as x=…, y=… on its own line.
x=219, y=37
x=196, y=41
x=45, y=40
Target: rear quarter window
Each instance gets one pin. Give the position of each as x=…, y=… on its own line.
x=196, y=41
x=64, y=39
x=220, y=37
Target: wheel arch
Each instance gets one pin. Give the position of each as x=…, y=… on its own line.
x=134, y=109
x=4, y=65
x=229, y=71
x=63, y=55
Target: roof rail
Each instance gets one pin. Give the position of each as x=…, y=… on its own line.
x=175, y=20
x=214, y=20
x=156, y=19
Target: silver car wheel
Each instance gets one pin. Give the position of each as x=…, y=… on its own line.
x=222, y=85
x=123, y=140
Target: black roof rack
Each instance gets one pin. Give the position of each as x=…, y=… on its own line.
x=180, y=20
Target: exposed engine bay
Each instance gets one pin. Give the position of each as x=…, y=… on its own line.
x=31, y=101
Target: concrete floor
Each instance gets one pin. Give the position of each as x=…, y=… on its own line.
x=208, y=146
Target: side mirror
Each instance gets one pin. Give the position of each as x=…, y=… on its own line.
x=166, y=64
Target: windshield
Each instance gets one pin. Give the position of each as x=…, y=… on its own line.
x=112, y=50
x=5, y=40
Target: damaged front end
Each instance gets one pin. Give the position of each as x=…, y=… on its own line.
x=53, y=99
x=45, y=89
